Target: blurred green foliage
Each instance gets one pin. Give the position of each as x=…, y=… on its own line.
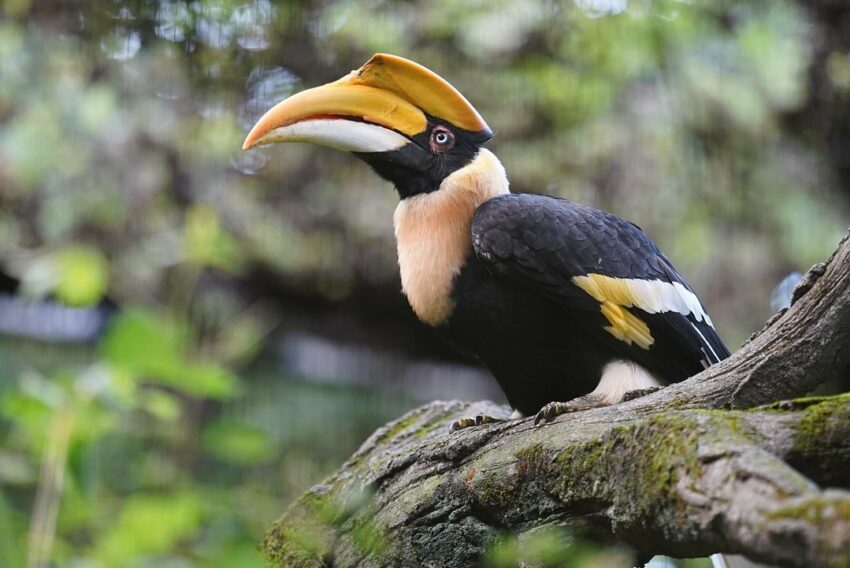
x=553, y=547
x=121, y=178
x=142, y=344
x=143, y=480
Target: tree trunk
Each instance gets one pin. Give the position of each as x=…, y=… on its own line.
x=712, y=464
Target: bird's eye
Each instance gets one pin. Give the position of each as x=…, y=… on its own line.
x=442, y=139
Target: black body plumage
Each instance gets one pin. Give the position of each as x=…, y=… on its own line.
x=544, y=338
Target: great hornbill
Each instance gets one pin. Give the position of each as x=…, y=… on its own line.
x=570, y=307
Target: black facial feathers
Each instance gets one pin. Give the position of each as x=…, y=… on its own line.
x=416, y=168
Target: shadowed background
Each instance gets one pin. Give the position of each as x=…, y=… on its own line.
x=192, y=335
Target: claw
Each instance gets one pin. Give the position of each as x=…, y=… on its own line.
x=555, y=409
x=485, y=419
x=467, y=422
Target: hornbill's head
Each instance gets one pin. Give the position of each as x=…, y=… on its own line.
x=410, y=125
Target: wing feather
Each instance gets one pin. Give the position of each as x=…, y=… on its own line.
x=587, y=260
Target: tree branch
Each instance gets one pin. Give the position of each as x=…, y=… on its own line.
x=692, y=469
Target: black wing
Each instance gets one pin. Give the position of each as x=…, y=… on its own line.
x=592, y=262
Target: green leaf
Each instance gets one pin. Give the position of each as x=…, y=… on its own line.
x=30, y=416
x=237, y=443
x=163, y=405
x=11, y=536
x=206, y=243
x=149, y=524
x=197, y=379
x=83, y=276
x=243, y=555
x=138, y=337
x=155, y=348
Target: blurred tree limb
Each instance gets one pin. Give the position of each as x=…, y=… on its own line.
x=712, y=464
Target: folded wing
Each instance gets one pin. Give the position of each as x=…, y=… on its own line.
x=606, y=274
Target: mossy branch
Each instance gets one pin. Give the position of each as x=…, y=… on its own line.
x=693, y=469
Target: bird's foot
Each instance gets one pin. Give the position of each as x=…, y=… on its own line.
x=554, y=409
x=633, y=394
x=468, y=422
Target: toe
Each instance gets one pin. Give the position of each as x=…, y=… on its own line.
x=477, y=421
x=462, y=423
x=544, y=414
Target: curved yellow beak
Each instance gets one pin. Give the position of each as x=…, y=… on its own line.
x=375, y=108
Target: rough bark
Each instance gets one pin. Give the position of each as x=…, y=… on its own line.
x=712, y=464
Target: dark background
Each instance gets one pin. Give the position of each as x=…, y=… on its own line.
x=192, y=335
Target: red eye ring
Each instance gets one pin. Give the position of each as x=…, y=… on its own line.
x=442, y=139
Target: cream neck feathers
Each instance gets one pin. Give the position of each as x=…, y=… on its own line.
x=433, y=234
